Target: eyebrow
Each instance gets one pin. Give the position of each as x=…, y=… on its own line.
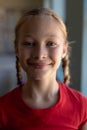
x=46, y=35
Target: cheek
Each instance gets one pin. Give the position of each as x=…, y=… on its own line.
x=56, y=53
x=23, y=53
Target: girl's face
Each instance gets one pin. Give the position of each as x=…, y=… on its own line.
x=40, y=47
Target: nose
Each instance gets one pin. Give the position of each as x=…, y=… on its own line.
x=40, y=53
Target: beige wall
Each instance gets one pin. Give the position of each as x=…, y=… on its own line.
x=20, y=3
x=10, y=11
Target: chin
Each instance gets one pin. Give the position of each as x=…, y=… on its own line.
x=42, y=75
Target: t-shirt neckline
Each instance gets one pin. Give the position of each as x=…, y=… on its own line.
x=58, y=103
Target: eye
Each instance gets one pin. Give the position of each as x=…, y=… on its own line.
x=51, y=44
x=29, y=44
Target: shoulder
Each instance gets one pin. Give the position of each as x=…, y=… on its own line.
x=7, y=104
x=72, y=93
x=7, y=98
x=77, y=100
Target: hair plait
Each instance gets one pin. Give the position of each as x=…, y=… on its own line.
x=19, y=75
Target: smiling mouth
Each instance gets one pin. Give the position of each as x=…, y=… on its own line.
x=38, y=65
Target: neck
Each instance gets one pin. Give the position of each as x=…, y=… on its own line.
x=40, y=94
x=41, y=88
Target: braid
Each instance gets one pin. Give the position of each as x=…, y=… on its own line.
x=18, y=69
x=65, y=65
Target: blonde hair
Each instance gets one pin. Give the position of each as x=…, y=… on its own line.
x=61, y=25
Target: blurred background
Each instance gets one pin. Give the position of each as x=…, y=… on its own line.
x=73, y=13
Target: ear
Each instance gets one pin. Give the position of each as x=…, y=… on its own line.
x=65, y=48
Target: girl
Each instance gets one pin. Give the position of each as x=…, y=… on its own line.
x=42, y=102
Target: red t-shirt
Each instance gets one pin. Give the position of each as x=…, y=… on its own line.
x=69, y=113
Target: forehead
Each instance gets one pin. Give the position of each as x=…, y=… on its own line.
x=40, y=25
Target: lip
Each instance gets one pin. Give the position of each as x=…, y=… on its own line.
x=39, y=65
